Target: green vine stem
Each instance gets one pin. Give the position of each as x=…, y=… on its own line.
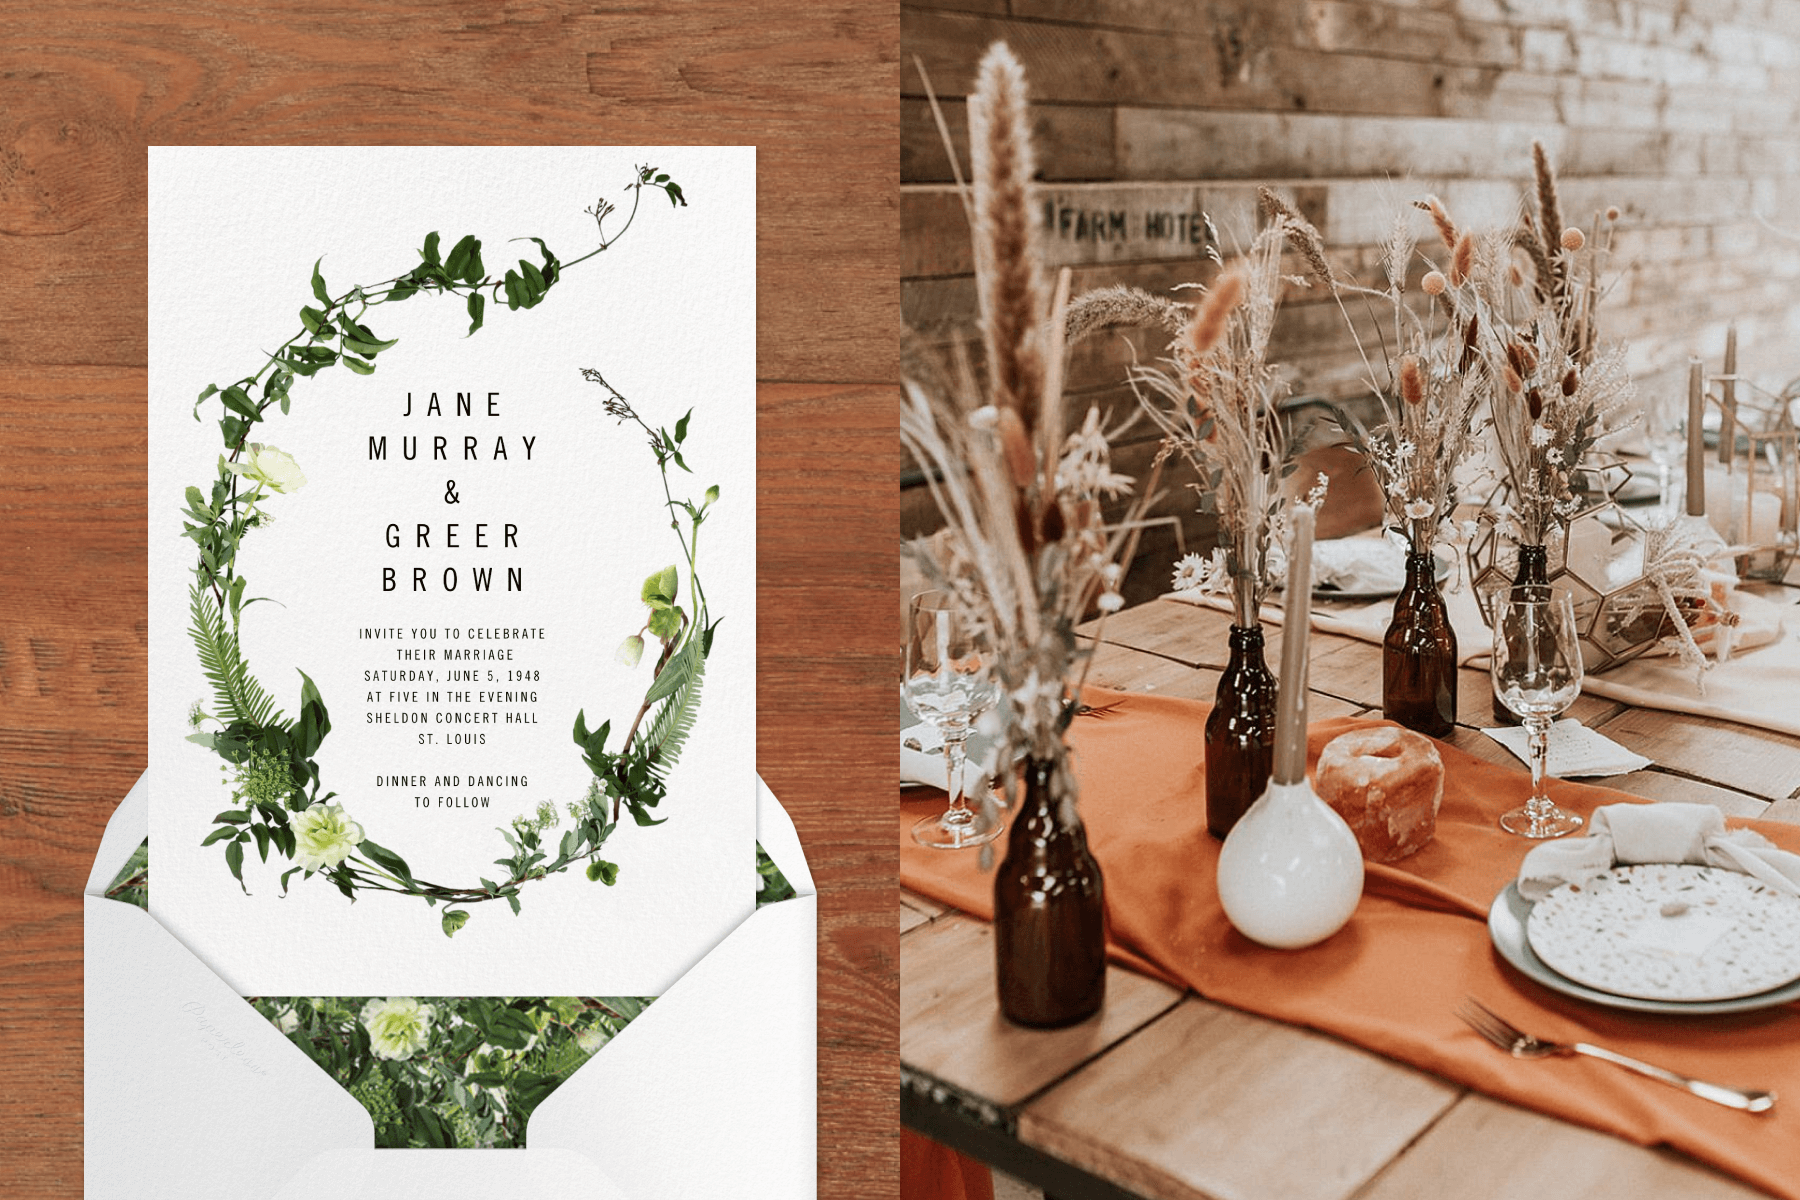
x=277, y=783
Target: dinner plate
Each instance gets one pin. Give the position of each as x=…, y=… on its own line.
x=1507, y=922
x=1669, y=931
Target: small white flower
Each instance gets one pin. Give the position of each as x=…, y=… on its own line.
x=288, y=1021
x=1418, y=510
x=398, y=1028
x=1190, y=572
x=1540, y=434
x=324, y=837
x=1111, y=573
x=1110, y=602
x=274, y=469
x=1404, y=450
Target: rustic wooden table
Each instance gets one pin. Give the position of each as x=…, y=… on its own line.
x=1168, y=1096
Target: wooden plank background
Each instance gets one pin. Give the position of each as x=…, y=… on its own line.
x=84, y=88
x=1683, y=113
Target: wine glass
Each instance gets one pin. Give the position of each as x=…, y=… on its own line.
x=948, y=685
x=1665, y=436
x=1537, y=674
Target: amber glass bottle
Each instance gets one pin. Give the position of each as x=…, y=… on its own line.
x=1418, y=655
x=1534, y=567
x=1240, y=732
x=1049, y=908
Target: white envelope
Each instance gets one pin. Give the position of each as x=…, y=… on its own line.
x=191, y=1093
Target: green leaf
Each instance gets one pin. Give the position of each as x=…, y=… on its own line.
x=219, y=835
x=234, y=858
x=662, y=179
x=312, y=318
x=681, y=426
x=262, y=840
x=359, y=366
x=232, y=816
x=477, y=302
x=239, y=402
x=318, y=284
x=430, y=252
x=464, y=262
x=382, y=857
x=601, y=871
x=665, y=623
x=661, y=587
x=675, y=196
x=454, y=919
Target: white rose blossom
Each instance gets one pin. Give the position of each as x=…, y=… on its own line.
x=324, y=836
x=273, y=468
x=399, y=1027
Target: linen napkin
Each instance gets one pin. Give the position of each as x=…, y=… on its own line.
x=925, y=765
x=1575, y=750
x=1359, y=565
x=1657, y=833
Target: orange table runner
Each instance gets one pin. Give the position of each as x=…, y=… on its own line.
x=1418, y=943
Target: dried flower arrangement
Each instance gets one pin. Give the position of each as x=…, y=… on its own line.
x=1217, y=401
x=1026, y=551
x=1432, y=379
x=1559, y=388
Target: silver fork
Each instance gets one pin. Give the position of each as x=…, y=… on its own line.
x=1519, y=1044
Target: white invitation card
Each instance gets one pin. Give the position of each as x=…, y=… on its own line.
x=452, y=529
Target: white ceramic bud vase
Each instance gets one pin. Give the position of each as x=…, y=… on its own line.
x=1291, y=872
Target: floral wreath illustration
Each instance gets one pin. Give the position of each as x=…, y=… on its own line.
x=276, y=788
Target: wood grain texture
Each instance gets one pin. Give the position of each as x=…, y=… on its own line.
x=951, y=1027
x=85, y=88
x=1166, y=1112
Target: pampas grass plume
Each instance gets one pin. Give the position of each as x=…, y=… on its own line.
x=1015, y=444
x=1214, y=314
x=1462, y=263
x=1445, y=226
x=1412, y=380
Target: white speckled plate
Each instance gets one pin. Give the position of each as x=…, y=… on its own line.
x=1506, y=926
x=1668, y=931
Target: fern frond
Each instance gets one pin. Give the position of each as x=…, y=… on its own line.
x=673, y=722
x=239, y=697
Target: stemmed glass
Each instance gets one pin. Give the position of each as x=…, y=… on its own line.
x=1665, y=436
x=1537, y=674
x=948, y=685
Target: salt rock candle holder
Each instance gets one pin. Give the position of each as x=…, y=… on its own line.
x=1387, y=784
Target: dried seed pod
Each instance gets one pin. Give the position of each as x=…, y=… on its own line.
x=1214, y=314
x=1462, y=263
x=1434, y=283
x=1513, y=383
x=1053, y=522
x=1412, y=380
x=1570, y=382
x=1573, y=239
x=1534, y=404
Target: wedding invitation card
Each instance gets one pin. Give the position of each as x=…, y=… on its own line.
x=452, y=527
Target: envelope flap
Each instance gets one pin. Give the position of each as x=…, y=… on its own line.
x=713, y=1091
x=780, y=840
x=185, y=1083
x=125, y=831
